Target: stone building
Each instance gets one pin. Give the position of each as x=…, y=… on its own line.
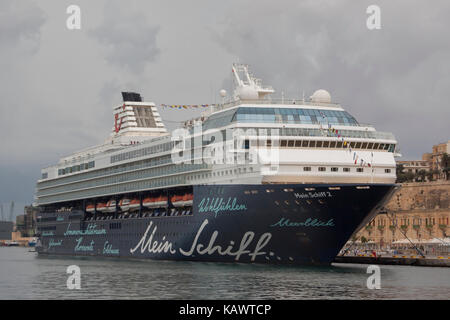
x=436, y=158
x=431, y=162
x=419, y=210
x=414, y=166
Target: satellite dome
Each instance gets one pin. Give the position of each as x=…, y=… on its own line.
x=321, y=96
x=223, y=93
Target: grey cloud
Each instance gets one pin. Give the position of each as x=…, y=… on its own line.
x=395, y=77
x=58, y=90
x=20, y=23
x=128, y=37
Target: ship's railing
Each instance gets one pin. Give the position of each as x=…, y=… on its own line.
x=310, y=132
x=285, y=101
x=165, y=173
x=366, y=125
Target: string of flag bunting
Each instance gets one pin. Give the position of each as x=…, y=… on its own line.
x=186, y=106
x=336, y=133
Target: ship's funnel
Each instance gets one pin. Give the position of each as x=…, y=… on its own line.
x=131, y=96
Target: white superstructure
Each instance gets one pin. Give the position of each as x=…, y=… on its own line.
x=141, y=155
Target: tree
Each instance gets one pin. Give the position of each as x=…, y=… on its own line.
x=430, y=175
x=405, y=177
x=420, y=175
x=399, y=169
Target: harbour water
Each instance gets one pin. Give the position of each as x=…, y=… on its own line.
x=24, y=275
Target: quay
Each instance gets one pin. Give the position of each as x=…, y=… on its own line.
x=403, y=260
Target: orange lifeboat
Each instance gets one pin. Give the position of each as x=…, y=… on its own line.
x=102, y=206
x=124, y=204
x=90, y=208
x=148, y=202
x=188, y=199
x=177, y=201
x=110, y=206
x=134, y=204
x=161, y=201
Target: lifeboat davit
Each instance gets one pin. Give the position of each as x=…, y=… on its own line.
x=90, y=208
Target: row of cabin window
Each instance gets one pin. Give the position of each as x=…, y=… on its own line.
x=147, y=173
x=220, y=173
x=142, y=152
x=334, y=144
x=415, y=221
x=126, y=187
x=76, y=168
x=110, y=170
x=336, y=169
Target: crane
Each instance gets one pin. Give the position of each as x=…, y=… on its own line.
x=11, y=211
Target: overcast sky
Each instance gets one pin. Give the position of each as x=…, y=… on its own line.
x=58, y=86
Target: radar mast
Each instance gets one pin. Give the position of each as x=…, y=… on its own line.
x=247, y=87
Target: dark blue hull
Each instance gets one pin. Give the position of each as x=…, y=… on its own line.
x=292, y=224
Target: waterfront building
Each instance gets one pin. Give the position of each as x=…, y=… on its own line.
x=414, y=166
x=439, y=150
x=417, y=211
x=431, y=164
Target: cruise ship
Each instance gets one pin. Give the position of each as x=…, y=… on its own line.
x=253, y=179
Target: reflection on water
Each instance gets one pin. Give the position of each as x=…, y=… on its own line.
x=24, y=275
